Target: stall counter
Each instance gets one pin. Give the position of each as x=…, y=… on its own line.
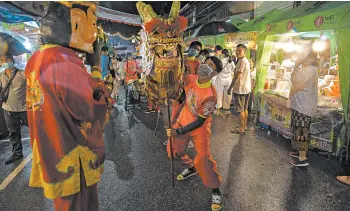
x=325, y=126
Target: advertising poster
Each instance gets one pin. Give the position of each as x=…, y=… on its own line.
x=274, y=112
x=246, y=38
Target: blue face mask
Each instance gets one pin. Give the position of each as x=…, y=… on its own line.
x=192, y=52
x=5, y=66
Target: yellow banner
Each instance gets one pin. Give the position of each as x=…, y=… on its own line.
x=246, y=38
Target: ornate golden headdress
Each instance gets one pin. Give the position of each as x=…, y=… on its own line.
x=169, y=29
x=162, y=52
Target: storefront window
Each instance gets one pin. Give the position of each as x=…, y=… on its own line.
x=288, y=48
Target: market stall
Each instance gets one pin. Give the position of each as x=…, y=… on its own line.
x=322, y=26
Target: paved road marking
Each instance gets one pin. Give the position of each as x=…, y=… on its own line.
x=5, y=140
x=13, y=174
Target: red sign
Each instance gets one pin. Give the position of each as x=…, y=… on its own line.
x=319, y=21
x=290, y=25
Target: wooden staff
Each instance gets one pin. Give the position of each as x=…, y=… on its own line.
x=170, y=138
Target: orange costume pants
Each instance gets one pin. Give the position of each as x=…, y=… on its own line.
x=203, y=162
x=85, y=200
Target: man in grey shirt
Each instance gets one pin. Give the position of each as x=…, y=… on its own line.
x=15, y=107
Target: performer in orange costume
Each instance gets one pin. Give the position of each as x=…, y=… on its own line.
x=191, y=63
x=194, y=124
x=176, y=106
x=130, y=68
x=65, y=107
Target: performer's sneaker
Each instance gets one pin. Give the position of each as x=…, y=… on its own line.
x=300, y=163
x=185, y=174
x=216, y=202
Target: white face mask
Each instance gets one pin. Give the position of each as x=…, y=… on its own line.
x=201, y=58
x=204, y=70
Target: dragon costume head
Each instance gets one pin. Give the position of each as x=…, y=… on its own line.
x=162, y=52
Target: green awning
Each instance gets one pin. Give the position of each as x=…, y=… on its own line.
x=259, y=23
x=237, y=22
x=312, y=16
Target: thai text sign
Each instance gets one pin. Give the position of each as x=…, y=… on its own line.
x=246, y=38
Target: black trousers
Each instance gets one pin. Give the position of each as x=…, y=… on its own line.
x=13, y=122
x=3, y=127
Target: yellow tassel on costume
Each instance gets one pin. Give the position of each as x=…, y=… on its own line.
x=96, y=72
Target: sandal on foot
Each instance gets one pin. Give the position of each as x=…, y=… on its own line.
x=344, y=179
x=237, y=127
x=237, y=131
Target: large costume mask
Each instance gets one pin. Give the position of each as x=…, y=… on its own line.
x=162, y=52
x=71, y=24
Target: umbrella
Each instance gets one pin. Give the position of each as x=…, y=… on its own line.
x=215, y=28
x=16, y=43
x=11, y=14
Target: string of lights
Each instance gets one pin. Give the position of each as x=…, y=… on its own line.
x=108, y=27
x=118, y=34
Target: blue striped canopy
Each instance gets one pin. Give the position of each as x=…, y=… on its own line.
x=16, y=42
x=11, y=14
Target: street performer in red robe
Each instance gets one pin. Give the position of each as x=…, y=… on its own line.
x=66, y=107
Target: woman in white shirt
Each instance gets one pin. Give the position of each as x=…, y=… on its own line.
x=303, y=101
x=223, y=82
x=121, y=62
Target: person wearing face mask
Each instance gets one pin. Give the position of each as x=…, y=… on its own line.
x=130, y=69
x=105, y=61
x=193, y=123
x=88, y=67
x=121, y=72
x=191, y=62
x=303, y=102
x=12, y=94
x=4, y=133
x=116, y=76
x=241, y=85
x=223, y=82
x=202, y=55
x=14, y=106
x=218, y=51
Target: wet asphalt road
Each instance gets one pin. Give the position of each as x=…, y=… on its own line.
x=256, y=173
